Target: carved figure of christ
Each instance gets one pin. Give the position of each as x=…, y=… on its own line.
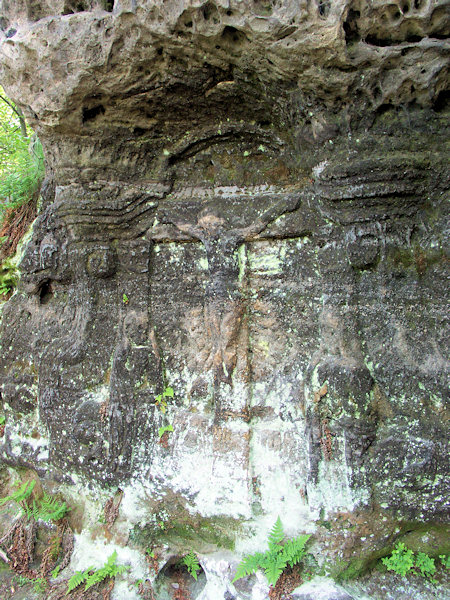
x=224, y=303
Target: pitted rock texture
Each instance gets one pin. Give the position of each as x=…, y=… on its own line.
x=245, y=202
x=155, y=76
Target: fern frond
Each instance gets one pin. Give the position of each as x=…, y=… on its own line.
x=294, y=550
x=51, y=509
x=192, y=564
x=121, y=569
x=276, y=535
x=275, y=560
x=109, y=569
x=274, y=568
x=111, y=561
x=77, y=579
x=95, y=578
x=248, y=565
x=20, y=494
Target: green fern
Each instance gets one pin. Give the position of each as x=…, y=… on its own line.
x=277, y=557
x=21, y=494
x=77, y=579
x=273, y=568
x=192, y=564
x=49, y=509
x=294, y=550
x=46, y=508
x=109, y=569
x=248, y=565
x=276, y=535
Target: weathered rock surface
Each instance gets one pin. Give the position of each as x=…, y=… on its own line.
x=245, y=202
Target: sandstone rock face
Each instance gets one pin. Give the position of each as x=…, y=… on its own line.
x=245, y=204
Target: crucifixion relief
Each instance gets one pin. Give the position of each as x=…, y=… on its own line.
x=222, y=232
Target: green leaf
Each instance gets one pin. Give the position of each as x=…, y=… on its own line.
x=401, y=560
x=192, y=564
x=20, y=494
x=55, y=572
x=168, y=392
x=275, y=560
x=163, y=430
x=248, y=565
x=425, y=564
x=77, y=579
x=274, y=568
x=50, y=509
x=2, y=420
x=111, y=559
x=276, y=535
x=294, y=550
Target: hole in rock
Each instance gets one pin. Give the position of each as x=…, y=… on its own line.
x=108, y=5
x=89, y=114
x=439, y=36
x=393, y=12
x=383, y=108
x=377, y=93
x=174, y=581
x=45, y=292
x=324, y=8
x=405, y=8
x=73, y=7
x=373, y=40
x=351, y=27
x=159, y=51
x=231, y=35
x=441, y=102
x=417, y=4
x=414, y=38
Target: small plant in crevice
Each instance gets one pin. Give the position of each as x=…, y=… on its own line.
x=279, y=555
x=92, y=576
x=2, y=425
x=20, y=496
x=403, y=561
x=164, y=429
x=152, y=558
x=19, y=541
x=161, y=399
x=190, y=561
x=163, y=433
x=45, y=509
x=445, y=560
